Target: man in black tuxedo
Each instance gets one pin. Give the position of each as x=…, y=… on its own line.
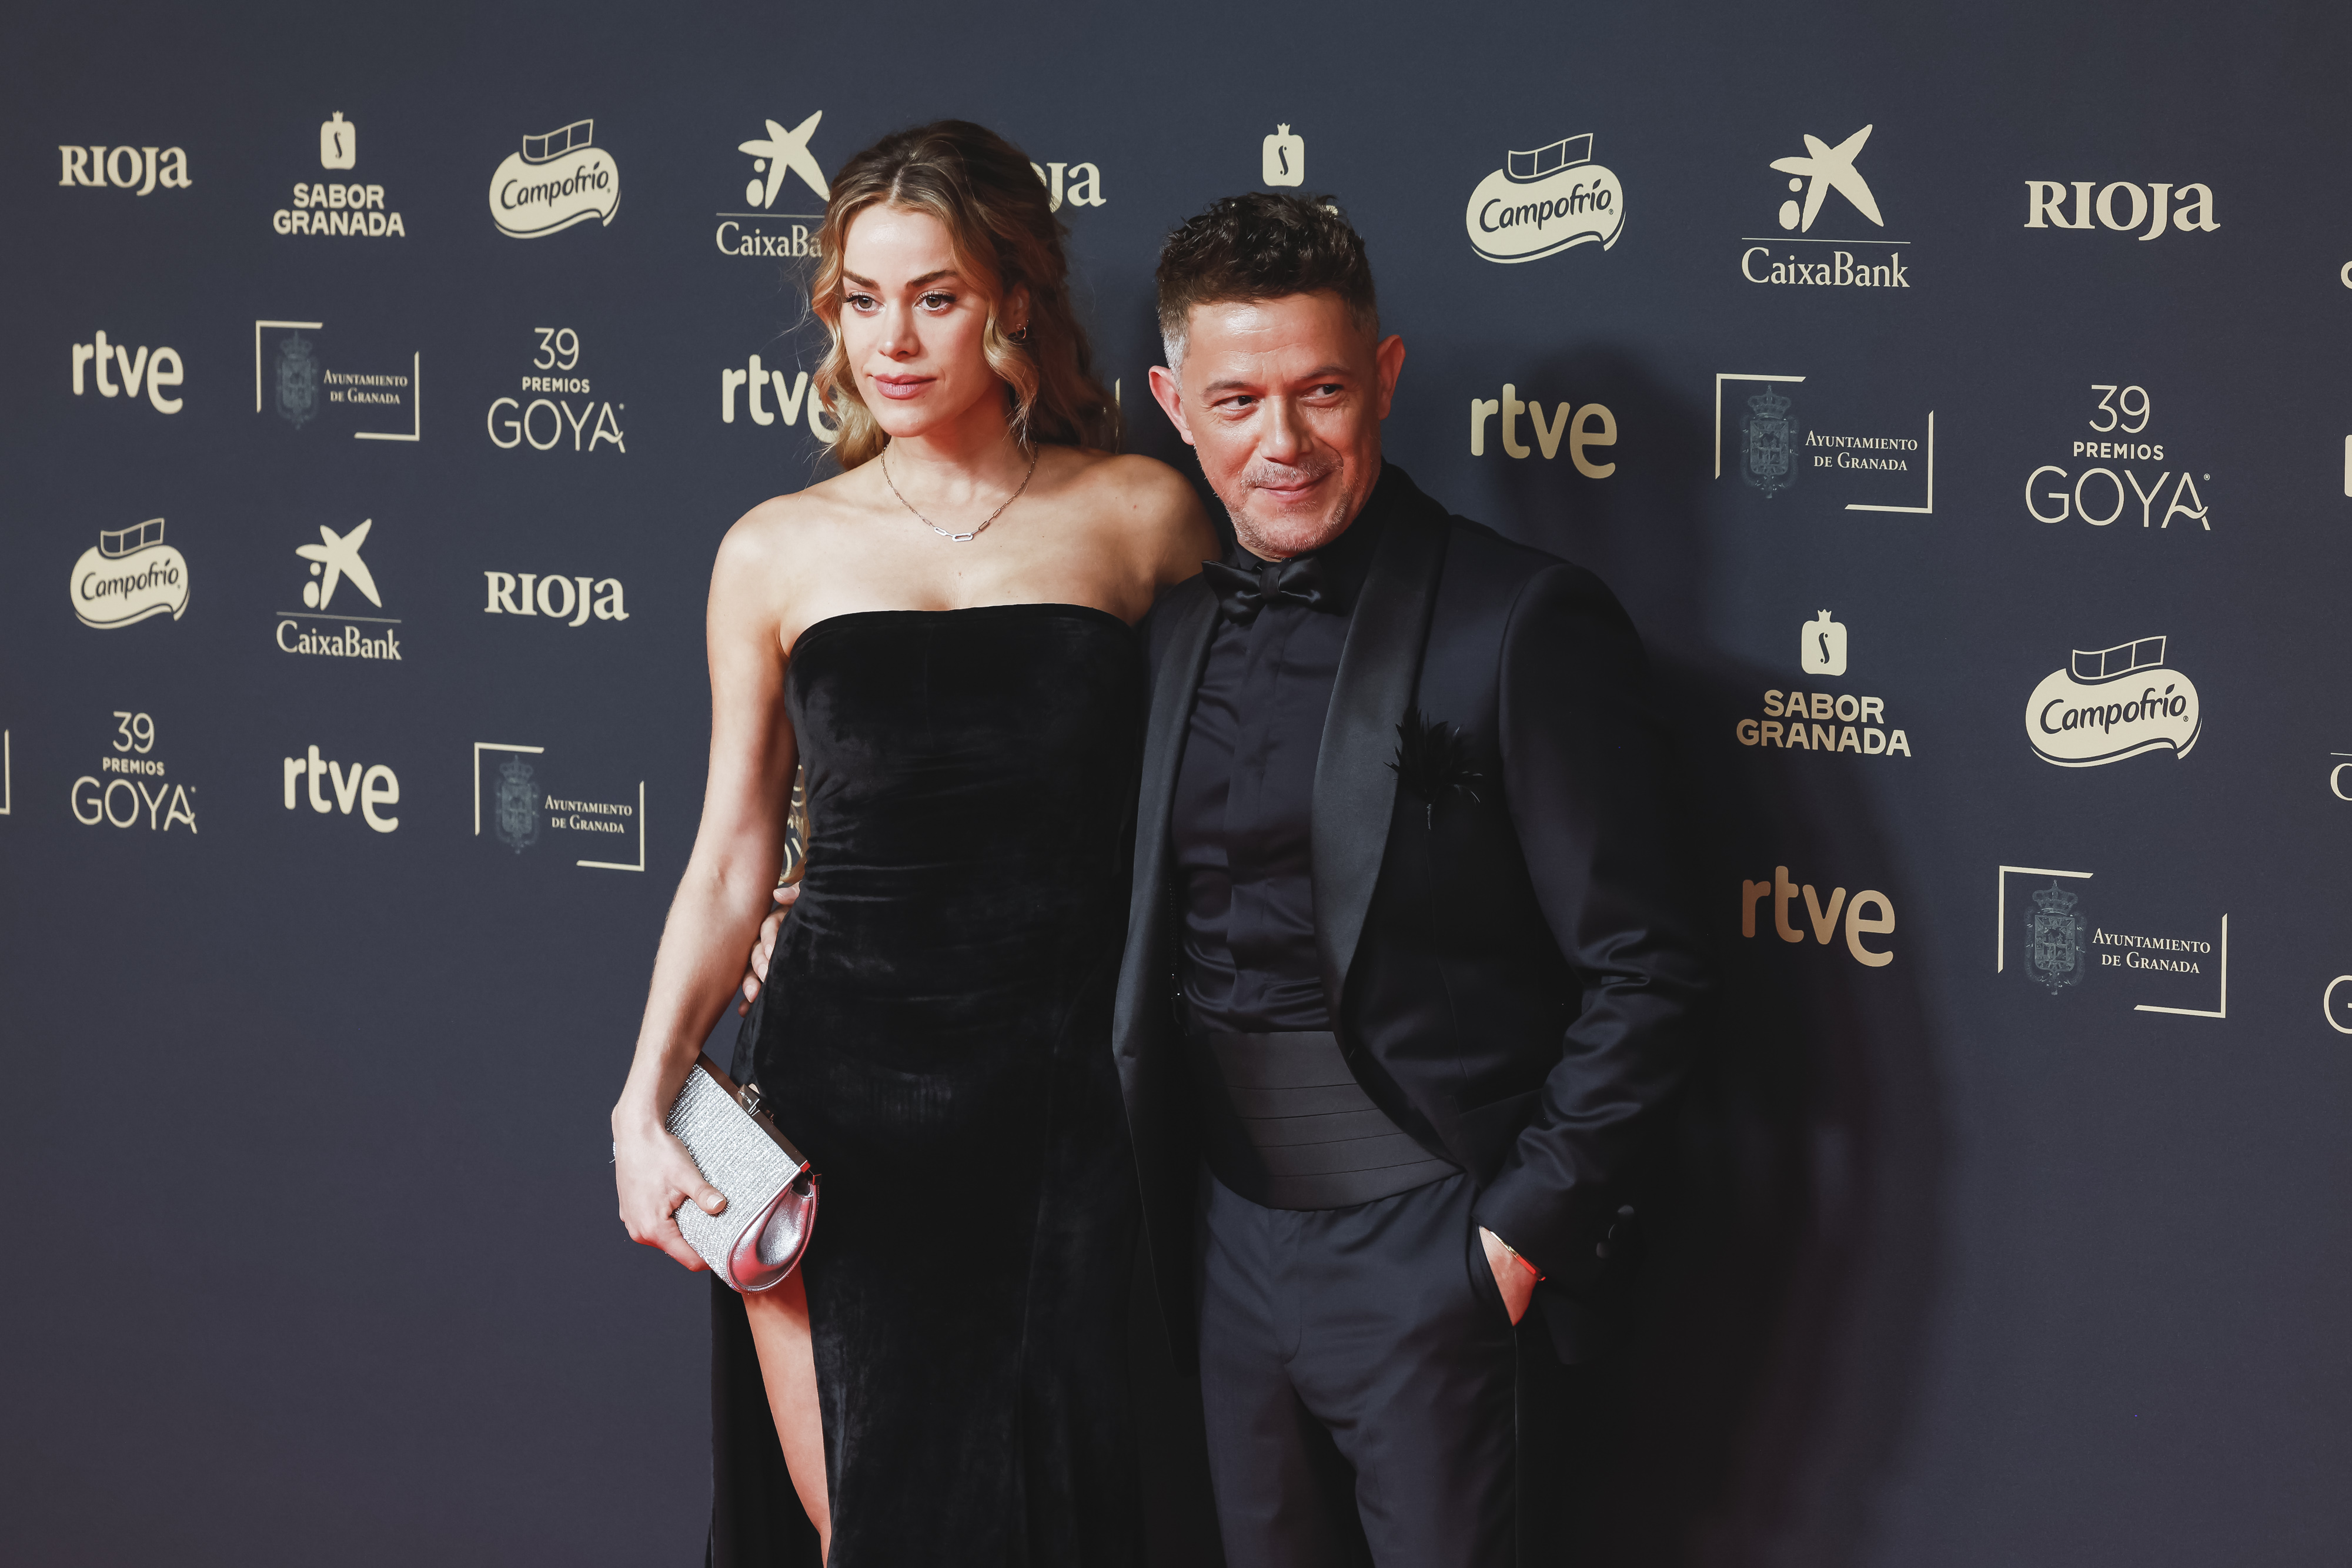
x=1409, y=973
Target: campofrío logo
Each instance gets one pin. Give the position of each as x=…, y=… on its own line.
x=1872, y=260
x=344, y=209
x=557, y=180
x=1541, y=202
x=130, y=576
x=2111, y=703
x=141, y=171
x=542, y=416
x=761, y=230
x=114, y=371
x=321, y=630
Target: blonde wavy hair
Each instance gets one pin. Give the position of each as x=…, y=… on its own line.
x=1000, y=225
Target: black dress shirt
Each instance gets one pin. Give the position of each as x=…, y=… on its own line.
x=1239, y=822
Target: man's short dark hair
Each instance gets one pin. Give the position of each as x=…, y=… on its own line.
x=1261, y=247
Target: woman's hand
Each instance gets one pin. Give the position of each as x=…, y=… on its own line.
x=655, y=1177
x=756, y=974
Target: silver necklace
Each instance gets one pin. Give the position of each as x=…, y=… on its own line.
x=959, y=538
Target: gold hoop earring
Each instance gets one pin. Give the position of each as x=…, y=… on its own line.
x=1020, y=336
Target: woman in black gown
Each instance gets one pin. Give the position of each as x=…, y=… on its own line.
x=940, y=635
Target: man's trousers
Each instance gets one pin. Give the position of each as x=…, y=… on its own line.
x=1357, y=1373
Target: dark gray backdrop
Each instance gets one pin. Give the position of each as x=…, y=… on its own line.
x=312, y=1251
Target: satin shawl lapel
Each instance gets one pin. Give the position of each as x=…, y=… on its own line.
x=1355, y=789
x=1192, y=612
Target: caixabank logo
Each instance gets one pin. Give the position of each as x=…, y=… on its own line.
x=560, y=178
x=2151, y=947
x=131, y=575
x=1839, y=440
x=320, y=630
x=782, y=166
x=522, y=799
x=1546, y=201
x=371, y=395
x=1837, y=254
x=2107, y=704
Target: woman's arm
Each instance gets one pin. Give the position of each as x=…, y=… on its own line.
x=738, y=850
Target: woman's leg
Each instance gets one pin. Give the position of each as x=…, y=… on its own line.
x=780, y=1327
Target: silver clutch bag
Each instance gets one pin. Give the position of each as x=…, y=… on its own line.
x=770, y=1190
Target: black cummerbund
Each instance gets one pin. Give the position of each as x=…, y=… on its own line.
x=1292, y=1127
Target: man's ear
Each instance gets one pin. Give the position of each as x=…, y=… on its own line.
x=1388, y=358
x=1169, y=393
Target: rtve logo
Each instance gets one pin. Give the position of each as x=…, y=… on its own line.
x=369, y=786
x=1591, y=425
x=138, y=170
x=754, y=380
x=1822, y=920
x=2046, y=206
x=98, y=362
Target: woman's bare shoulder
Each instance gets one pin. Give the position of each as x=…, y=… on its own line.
x=788, y=524
x=1154, y=504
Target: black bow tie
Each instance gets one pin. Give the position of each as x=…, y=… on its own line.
x=1242, y=592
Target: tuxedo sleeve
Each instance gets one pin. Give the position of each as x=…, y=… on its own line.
x=1585, y=762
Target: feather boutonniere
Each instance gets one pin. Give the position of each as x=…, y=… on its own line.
x=1432, y=762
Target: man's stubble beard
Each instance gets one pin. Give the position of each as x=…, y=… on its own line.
x=1294, y=537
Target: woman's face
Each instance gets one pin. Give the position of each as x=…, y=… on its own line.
x=912, y=324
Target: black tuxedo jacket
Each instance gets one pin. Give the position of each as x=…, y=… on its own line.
x=1502, y=925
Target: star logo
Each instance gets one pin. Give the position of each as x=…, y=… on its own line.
x=783, y=150
x=335, y=558
x=1826, y=169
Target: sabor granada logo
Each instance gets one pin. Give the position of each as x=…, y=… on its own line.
x=2111, y=703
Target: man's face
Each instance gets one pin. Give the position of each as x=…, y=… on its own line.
x=1283, y=399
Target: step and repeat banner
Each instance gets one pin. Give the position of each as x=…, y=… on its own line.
x=1956, y=403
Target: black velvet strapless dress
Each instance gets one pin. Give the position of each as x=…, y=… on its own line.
x=935, y=1035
